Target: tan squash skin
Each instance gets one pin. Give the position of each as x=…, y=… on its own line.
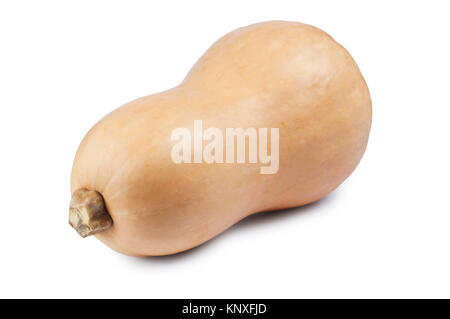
x=274, y=74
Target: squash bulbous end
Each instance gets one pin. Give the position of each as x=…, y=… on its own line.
x=87, y=213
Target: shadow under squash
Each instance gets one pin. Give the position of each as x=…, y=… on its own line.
x=255, y=220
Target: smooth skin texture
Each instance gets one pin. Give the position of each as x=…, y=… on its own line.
x=275, y=74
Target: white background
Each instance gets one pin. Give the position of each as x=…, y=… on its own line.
x=385, y=232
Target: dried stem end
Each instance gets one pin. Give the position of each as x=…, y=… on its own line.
x=87, y=213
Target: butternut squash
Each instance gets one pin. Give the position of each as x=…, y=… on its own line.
x=287, y=78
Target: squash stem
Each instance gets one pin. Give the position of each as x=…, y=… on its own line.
x=87, y=213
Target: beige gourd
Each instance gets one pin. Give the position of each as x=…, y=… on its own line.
x=129, y=193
